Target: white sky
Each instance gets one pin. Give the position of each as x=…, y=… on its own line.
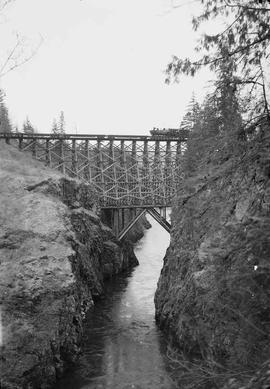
x=101, y=62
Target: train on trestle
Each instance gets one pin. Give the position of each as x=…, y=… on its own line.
x=173, y=132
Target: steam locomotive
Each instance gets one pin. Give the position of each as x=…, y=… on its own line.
x=173, y=132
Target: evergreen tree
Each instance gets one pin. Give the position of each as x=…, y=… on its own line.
x=216, y=125
x=5, y=123
x=59, y=127
x=244, y=41
x=54, y=127
x=61, y=124
x=28, y=127
x=227, y=97
x=204, y=129
x=2, y=96
x=191, y=115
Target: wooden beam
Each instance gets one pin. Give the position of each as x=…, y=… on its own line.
x=62, y=157
x=163, y=222
x=131, y=224
x=48, y=153
x=74, y=157
x=182, y=135
x=34, y=148
x=87, y=170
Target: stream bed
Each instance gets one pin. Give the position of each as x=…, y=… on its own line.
x=122, y=346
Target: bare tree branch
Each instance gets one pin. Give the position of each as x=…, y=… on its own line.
x=17, y=55
x=16, y=58
x=10, y=56
x=4, y=3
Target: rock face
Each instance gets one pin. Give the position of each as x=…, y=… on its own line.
x=54, y=257
x=213, y=294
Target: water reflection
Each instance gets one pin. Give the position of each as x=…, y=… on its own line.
x=123, y=348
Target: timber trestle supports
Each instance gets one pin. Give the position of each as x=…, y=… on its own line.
x=127, y=171
x=121, y=230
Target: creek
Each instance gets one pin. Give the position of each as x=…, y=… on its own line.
x=122, y=346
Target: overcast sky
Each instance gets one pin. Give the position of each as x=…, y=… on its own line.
x=101, y=62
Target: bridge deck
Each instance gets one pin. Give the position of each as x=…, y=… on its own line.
x=183, y=135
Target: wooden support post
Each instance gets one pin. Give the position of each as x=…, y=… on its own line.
x=145, y=161
x=124, y=164
x=62, y=157
x=147, y=178
x=168, y=156
x=123, y=218
x=178, y=158
x=20, y=142
x=119, y=220
x=113, y=170
x=137, y=185
x=157, y=179
x=134, y=172
x=112, y=219
x=168, y=169
x=48, y=153
x=163, y=212
x=101, y=169
x=116, y=221
x=87, y=169
x=74, y=158
x=157, y=149
x=127, y=215
x=34, y=148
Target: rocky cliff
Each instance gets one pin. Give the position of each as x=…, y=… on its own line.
x=213, y=294
x=54, y=257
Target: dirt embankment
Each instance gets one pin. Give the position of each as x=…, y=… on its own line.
x=54, y=257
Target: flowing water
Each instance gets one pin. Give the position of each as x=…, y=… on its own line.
x=122, y=347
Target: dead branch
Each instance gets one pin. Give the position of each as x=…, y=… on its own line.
x=15, y=58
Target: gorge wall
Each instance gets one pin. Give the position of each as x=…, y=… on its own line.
x=213, y=294
x=54, y=257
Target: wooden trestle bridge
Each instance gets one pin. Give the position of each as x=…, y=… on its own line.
x=134, y=172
